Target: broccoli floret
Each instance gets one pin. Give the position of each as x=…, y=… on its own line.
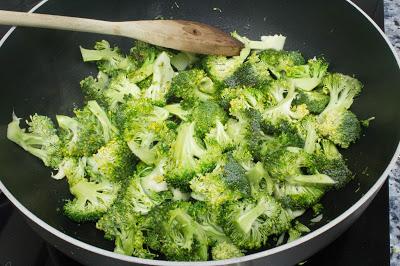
x=185, y=154
x=316, y=101
x=176, y=234
x=72, y=168
x=297, y=196
x=279, y=61
x=296, y=231
x=234, y=175
x=225, y=250
x=178, y=110
x=249, y=223
x=93, y=88
x=83, y=134
x=110, y=60
x=153, y=182
x=330, y=162
x=213, y=189
x=260, y=182
x=92, y=199
x=282, y=112
x=275, y=42
x=253, y=72
x=205, y=115
x=218, y=137
x=336, y=122
x=119, y=88
x=220, y=67
x=114, y=162
x=41, y=139
x=127, y=228
x=307, y=77
x=183, y=60
x=192, y=86
x=162, y=78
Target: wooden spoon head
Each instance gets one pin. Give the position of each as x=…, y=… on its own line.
x=189, y=36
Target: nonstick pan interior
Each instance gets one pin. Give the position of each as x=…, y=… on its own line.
x=40, y=72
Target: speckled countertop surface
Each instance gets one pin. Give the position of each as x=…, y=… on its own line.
x=392, y=29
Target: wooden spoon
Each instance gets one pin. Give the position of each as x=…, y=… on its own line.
x=181, y=35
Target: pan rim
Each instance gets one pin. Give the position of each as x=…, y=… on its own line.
x=80, y=244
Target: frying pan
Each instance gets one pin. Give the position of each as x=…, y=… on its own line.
x=40, y=72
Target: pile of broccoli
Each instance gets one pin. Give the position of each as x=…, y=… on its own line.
x=190, y=158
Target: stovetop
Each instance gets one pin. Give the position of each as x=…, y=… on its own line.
x=365, y=243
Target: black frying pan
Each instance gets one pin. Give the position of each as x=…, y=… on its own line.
x=40, y=72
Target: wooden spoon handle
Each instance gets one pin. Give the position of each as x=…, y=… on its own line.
x=58, y=22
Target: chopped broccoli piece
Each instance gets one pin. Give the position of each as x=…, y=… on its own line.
x=225, y=250
x=41, y=139
x=307, y=77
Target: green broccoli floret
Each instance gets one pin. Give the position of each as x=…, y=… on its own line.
x=93, y=88
x=162, y=78
x=253, y=72
x=110, y=60
x=186, y=152
x=85, y=133
x=218, y=137
x=261, y=183
x=213, y=189
x=336, y=122
x=72, y=168
x=119, y=88
x=114, y=162
x=127, y=228
x=279, y=61
x=315, y=100
x=92, y=199
x=293, y=165
x=282, y=112
x=221, y=68
x=234, y=175
x=192, y=86
x=275, y=42
x=176, y=234
x=249, y=223
x=225, y=250
x=183, y=60
x=205, y=115
x=177, y=110
x=307, y=77
x=40, y=140
x=297, y=196
x=330, y=162
x=296, y=231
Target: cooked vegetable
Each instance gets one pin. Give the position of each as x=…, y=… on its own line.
x=190, y=158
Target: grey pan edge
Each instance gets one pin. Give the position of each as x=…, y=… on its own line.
x=286, y=254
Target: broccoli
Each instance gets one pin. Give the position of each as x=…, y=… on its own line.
x=213, y=188
x=84, y=134
x=113, y=162
x=253, y=72
x=205, y=115
x=221, y=68
x=336, y=122
x=282, y=111
x=267, y=42
x=186, y=151
x=331, y=163
x=279, y=61
x=93, y=88
x=127, y=228
x=307, y=77
x=110, y=60
x=249, y=223
x=315, y=100
x=41, y=139
x=212, y=161
x=178, y=235
x=162, y=77
x=192, y=86
x=225, y=250
x=92, y=199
